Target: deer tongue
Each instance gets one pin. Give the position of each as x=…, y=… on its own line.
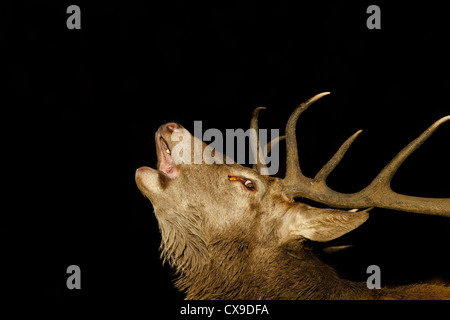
x=165, y=161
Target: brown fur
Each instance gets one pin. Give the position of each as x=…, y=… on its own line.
x=228, y=242
x=239, y=268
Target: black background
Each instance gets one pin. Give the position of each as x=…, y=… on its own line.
x=85, y=105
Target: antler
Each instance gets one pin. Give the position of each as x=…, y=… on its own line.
x=254, y=142
x=377, y=194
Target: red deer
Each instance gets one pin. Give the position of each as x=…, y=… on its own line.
x=232, y=233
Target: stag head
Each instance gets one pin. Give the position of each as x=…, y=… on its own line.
x=199, y=206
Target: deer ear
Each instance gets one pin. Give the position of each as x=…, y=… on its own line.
x=324, y=224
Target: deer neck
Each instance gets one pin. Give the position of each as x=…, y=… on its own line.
x=291, y=271
x=307, y=277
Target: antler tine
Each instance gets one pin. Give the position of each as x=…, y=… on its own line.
x=294, y=176
x=254, y=136
x=377, y=194
x=263, y=166
x=273, y=142
x=254, y=139
x=380, y=188
x=334, y=161
x=385, y=176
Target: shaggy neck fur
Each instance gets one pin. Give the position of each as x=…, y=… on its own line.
x=182, y=244
x=237, y=264
x=237, y=269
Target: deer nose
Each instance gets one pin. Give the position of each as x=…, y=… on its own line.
x=171, y=127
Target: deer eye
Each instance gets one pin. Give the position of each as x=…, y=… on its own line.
x=249, y=184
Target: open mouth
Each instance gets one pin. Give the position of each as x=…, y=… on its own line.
x=164, y=145
x=165, y=161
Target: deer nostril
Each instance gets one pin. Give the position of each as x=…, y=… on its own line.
x=171, y=127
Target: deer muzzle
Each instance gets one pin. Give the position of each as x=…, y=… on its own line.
x=151, y=180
